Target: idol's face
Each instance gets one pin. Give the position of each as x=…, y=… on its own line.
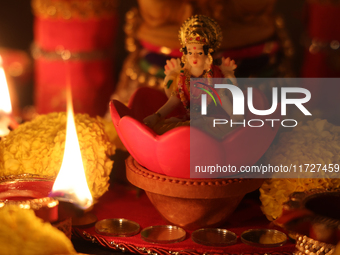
x=196, y=56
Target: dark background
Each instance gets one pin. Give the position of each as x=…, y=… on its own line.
x=16, y=26
x=16, y=32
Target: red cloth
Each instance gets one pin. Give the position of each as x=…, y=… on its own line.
x=121, y=202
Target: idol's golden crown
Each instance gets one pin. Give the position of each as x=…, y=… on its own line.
x=202, y=30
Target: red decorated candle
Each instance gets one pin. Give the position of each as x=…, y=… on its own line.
x=82, y=34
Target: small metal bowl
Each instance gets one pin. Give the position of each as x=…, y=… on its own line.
x=163, y=234
x=117, y=227
x=214, y=237
x=264, y=238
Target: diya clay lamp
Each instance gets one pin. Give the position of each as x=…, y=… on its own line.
x=30, y=192
x=191, y=203
x=160, y=164
x=314, y=215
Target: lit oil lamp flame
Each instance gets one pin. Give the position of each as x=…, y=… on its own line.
x=5, y=100
x=5, y=103
x=70, y=184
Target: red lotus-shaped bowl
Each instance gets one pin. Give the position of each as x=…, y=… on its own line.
x=169, y=153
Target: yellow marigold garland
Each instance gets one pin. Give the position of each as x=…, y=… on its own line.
x=318, y=141
x=22, y=233
x=37, y=147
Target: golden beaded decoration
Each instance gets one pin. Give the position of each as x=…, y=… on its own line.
x=309, y=246
x=64, y=9
x=200, y=29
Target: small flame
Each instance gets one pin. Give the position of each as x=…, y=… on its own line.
x=5, y=103
x=70, y=184
x=5, y=100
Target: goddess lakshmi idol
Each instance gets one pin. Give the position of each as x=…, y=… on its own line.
x=200, y=36
x=151, y=144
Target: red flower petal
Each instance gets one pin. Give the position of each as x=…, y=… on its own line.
x=170, y=153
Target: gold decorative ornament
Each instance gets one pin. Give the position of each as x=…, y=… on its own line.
x=211, y=60
x=285, y=67
x=200, y=29
x=306, y=246
x=61, y=53
x=183, y=59
x=64, y=9
x=133, y=76
x=132, y=19
x=34, y=204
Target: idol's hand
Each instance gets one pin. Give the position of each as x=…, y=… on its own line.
x=227, y=67
x=152, y=120
x=172, y=66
